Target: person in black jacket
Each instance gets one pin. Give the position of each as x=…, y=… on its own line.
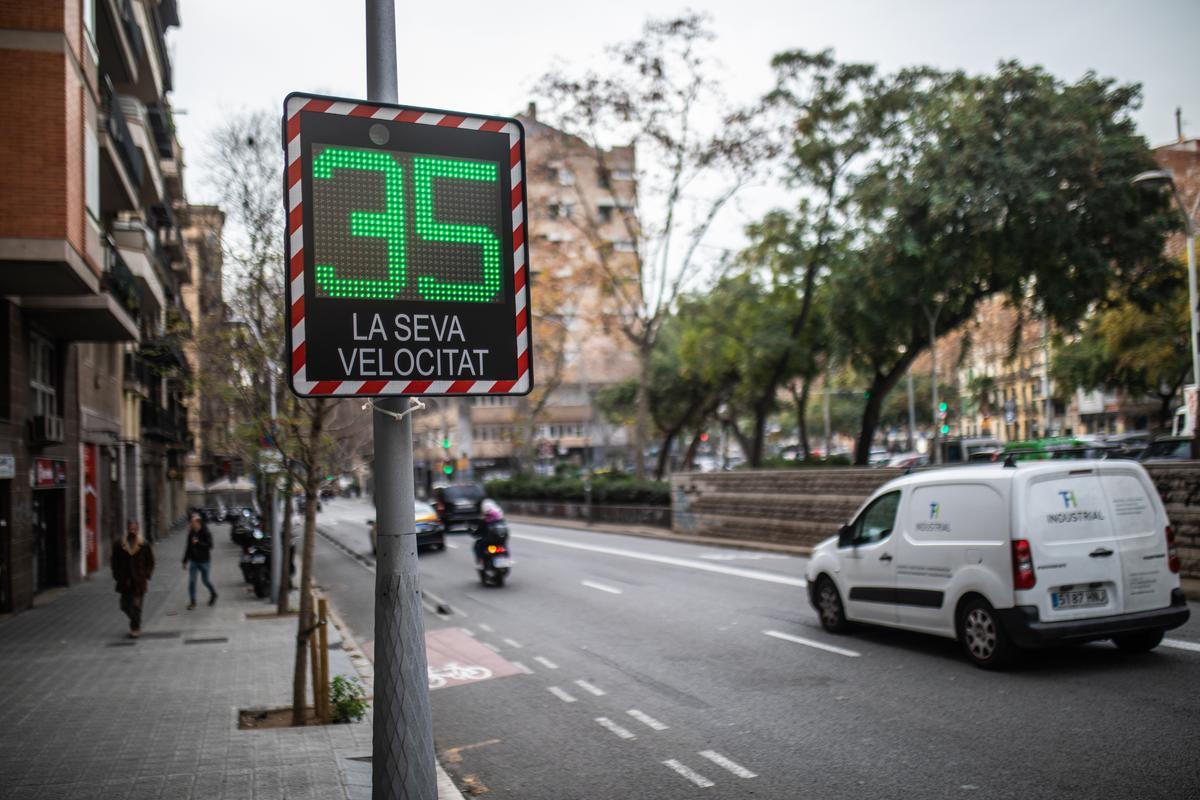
x=199, y=553
x=132, y=566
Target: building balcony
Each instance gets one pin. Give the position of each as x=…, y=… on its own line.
x=154, y=66
x=138, y=248
x=138, y=122
x=123, y=170
x=165, y=424
x=119, y=40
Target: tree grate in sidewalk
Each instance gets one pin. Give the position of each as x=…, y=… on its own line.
x=160, y=635
x=208, y=640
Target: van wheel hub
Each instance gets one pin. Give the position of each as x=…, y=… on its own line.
x=830, y=613
x=980, y=633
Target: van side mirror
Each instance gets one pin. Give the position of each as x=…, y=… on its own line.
x=845, y=534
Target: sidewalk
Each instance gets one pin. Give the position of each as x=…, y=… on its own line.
x=87, y=713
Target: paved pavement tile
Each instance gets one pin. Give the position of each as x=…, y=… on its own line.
x=84, y=713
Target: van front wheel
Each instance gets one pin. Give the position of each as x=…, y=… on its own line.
x=1140, y=642
x=829, y=607
x=983, y=639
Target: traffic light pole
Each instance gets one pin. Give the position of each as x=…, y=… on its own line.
x=402, y=741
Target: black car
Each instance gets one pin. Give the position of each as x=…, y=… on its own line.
x=458, y=505
x=1168, y=448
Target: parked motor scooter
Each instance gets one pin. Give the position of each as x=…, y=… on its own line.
x=492, y=557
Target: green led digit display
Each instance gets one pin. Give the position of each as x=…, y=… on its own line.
x=366, y=245
x=424, y=171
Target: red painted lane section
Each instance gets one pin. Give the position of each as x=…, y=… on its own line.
x=456, y=659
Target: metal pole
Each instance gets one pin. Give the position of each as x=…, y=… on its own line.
x=933, y=379
x=275, y=511
x=402, y=763
x=1047, y=408
x=828, y=431
x=912, y=413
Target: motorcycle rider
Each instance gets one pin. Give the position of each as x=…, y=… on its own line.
x=492, y=530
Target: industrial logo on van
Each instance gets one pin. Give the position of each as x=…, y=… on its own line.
x=1070, y=502
x=933, y=526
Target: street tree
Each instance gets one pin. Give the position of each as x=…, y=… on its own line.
x=1012, y=183
x=657, y=97
x=306, y=438
x=1139, y=348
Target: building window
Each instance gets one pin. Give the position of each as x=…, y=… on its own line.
x=624, y=246
x=566, y=177
x=43, y=374
x=603, y=178
x=605, y=213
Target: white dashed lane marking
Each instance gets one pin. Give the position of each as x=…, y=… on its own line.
x=703, y=566
x=646, y=719
x=624, y=733
x=787, y=637
x=601, y=587
x=490, y=646
x=590, y=688
x=1180, y=644
x=732, y=766
x=521, y=667
x=566, y=697
x=513, y=643
x=545, y=662
x=689, y=773
x=483, y=626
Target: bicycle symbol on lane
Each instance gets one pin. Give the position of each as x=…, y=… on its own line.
x=453, y=671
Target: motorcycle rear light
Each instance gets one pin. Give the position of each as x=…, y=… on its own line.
x=495, y=548
x=1172, y=550
x=1022, y=564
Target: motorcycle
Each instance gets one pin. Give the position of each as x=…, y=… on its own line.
x=255, y=562
x=492, y=557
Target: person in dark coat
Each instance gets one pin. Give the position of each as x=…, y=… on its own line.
x=199, y=554
x=132, y=566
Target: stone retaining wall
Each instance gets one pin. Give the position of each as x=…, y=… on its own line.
x=656, y=516
x=804, y=506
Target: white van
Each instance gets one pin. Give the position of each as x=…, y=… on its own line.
x=1007, y=557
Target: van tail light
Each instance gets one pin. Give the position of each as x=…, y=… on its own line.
x=1172, y=550
x=1022, y=563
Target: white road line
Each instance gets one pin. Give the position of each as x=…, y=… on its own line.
x=646, y=719
x=521, y=667
x=624, y=733
x=1180, y=644
x=545, y=662
x=601, y=587
x=483, y=626
x=560, y=694
x=738, y=572
x=468, y=632
x=590, y=688
x=732, y=766
x=452, y=545
x=689, y=773
x=491, y=646
x=810, y=643
x=741, y=556
x=513, y=643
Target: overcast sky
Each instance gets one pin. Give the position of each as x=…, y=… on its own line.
x=484, y=57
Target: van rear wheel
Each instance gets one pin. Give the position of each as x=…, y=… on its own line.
x=829, y=607
x=1140, y=642
x=983, y=639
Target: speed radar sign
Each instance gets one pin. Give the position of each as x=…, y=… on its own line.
x=406, y=254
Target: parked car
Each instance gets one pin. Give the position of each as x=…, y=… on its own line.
x=1008, y=557
x=458, y=505
x=430, y=531
x=1168, y=448
x=908, y=460
x=955, y=451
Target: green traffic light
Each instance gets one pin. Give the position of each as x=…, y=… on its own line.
x=448, y=469
x=945, y=429
x=942, y=407
x=446, y=443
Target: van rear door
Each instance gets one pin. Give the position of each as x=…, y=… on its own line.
x=1139, y=527
x=1066, y=519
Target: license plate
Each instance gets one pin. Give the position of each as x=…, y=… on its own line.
x=501, y=563
x=1080, y=598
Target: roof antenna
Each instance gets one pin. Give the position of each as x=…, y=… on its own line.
x=1010, y=461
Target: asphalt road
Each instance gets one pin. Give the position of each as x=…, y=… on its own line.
x=654, y=669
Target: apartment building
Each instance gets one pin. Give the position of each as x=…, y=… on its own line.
x=92, y=422
x=582, y=229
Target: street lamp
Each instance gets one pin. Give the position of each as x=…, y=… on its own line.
x=1154, y=179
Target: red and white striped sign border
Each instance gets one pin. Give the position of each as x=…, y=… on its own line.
x=300, y=383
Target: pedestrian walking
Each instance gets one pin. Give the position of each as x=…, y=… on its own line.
x=197, y=557
x=132, y=566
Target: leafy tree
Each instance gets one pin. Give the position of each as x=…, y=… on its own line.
x=1140, y=348
x=1012, y=183
x=657, y=95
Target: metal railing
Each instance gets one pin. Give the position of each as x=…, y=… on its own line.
x=118, y=280
x=118, y=130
